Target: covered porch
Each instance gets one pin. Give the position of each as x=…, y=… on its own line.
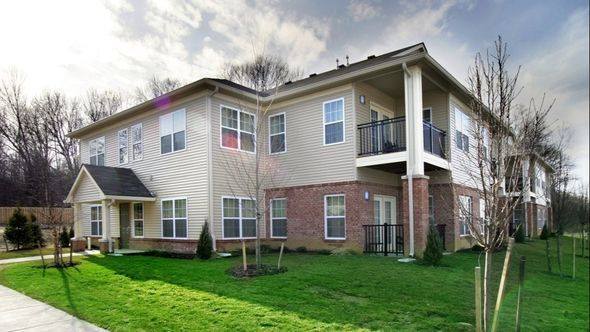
x=102, y=198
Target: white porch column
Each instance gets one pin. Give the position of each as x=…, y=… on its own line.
x=106, y=225
x=77, y=221
x=414, y=127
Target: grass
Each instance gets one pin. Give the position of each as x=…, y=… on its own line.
x=29, y=252
x=318, y=292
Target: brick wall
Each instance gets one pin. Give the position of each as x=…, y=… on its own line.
x=421, y=225
x=444, y=211
x=305, y=212
x=177, y=245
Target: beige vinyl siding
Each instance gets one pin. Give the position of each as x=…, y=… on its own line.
x=85, y=214
x=439, y=102
x=177, y=174
x=86, y=190
x=462, y=172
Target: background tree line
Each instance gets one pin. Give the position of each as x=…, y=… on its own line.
x=38, y=162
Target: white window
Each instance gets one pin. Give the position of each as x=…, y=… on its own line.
x=123, y=142
x=334, y=121
x=137, y=141
x=486, y=143
x=137, y=219
x=278, y=217
x=97, y=149
x=174, y=219
x=238, y=129
x=96, y=220
x=462, y=127
x=334, y=217
x=483, y=216
x=465, y=214
x=427, y=115
x=277, y=133
x=173, y=131
x=541, y=218
x=239, y=218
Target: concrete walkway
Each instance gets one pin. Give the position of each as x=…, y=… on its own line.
x=19, y=312
x=48, y=257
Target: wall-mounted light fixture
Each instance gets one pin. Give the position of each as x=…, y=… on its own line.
x=366, y=195
x=362, y=99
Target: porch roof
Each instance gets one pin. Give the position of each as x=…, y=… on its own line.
x=112, y=183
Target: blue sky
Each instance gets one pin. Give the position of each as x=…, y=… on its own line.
x=74, y=45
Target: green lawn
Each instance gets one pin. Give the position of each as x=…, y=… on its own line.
x=28, y=252
x=318, y=292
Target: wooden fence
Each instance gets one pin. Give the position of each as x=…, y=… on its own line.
x=39, y=212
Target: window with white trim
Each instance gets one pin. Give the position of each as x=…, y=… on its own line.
x=465, y=214
x=174, y=218
x=96, y=220
x=123, y=140
x=278, y=217
x=238, y=129
x=334, y=121
x=427, y=115
x=173, y=131
x=137, y=141
x=483, y=216
x=137, y=219
x=277, y=133
x=97, y=148
x=335, y=217
x=462, y=127
x=239, y=218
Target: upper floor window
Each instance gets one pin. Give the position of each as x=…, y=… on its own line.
x=174, y=218
x=237, y=129
x=277, y=133
x=97, y=149
x=278, y=217
x=123, y=141
x=334, y=121
x=462, y=126
x=465, y=214
x=137, y=141
x=173, y=131
x=335, y=217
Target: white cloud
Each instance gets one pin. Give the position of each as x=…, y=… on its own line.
x=361, y=10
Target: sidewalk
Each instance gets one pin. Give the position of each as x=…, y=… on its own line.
x=19, y=312
x=48, y=257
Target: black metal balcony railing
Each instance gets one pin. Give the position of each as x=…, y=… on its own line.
x=383, y=136
x=389, y=135
x=384, y=239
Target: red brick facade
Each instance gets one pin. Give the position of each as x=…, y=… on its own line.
x=171, y=245
x=305, y=212
x=420, y=202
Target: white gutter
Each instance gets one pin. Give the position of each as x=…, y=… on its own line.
x=410, y=173
x=210, y=166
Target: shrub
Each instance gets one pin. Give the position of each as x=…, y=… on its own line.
x=344, y=252
x=544, y=233
x=17, y=232
x=35, y=232
x=519, y=236
x=72, y=233
x=205, y=246
x=64, y=238
x=433, y=253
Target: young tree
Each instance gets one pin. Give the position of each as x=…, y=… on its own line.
x=17, y=232
x=253, y=173
x=155, y=87
x=433, y=253
x=496, y=149
x=205, y=246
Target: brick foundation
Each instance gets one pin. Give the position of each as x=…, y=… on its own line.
x=444, y=211
x=171, y=245
x=305, y=213
x=420, y=203
x=78, y=245
x=104, y=246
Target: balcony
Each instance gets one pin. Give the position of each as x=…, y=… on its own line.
x=389, y=136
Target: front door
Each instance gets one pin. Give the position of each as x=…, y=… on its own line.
x=125, y=225
x=385, y=212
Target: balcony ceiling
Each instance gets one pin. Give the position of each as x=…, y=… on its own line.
x=393, y=84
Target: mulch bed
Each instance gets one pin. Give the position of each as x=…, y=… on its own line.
x=253, y=271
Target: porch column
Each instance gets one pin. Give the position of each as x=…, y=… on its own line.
x=414, y=127
x=106, y=245
x=78, y=243
x=418, y=209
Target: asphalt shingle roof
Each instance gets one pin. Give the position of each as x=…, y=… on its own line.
x=117, y=181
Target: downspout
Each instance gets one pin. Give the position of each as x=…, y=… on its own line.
x=410, y=170
x=210, y=166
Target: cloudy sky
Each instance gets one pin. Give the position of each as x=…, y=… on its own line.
x=74, y=45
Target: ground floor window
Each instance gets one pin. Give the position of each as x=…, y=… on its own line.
x=541, y=217
x=174, y=218
x=278, y=217
x=138, y=219
x=465, y=213
x=96, y=220
x=335, y=217
x=238, y=217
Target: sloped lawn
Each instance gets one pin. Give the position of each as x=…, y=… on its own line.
x=318, y=292
x=29, y=252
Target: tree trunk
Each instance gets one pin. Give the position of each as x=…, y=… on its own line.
x=257, y=249
x=487, y=276
x=559, y=254
x=548, y=254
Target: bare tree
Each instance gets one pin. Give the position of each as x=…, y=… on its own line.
x=496, y=149
x=253, y=173
x=155, y=87
x=100, y=104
